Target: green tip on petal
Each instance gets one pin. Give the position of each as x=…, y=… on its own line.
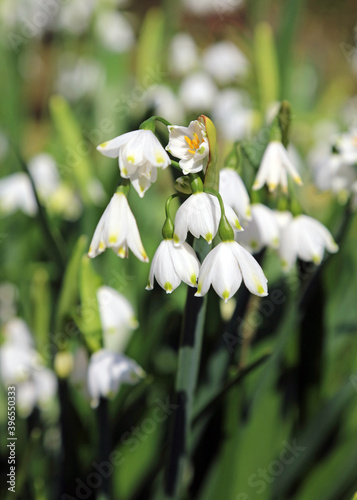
x=176, y=239
x=261, y=290
x=209, y=237
x=193, y=279
x=225, y=295
x=168, y=287
x=316, y=259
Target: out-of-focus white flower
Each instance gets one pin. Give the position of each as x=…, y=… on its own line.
x=234, y=193
x=283, y=218
x=225, y=62
x=274, y=167
x=17, y=333
x=190, y=144
x=162, y=100
x=114, y=31
x=183, y=54
x=226, y=266
x=172, y=264
x=261, y=231
x=16, y=194
x=117, y=318
x=44, y=172
x=76, y=15
x=214, y=7
x=232, y=114
x=117, y=229
x=347, y=146
x=39, y=390
x=306, y=238
x=78, y=77
x=200, y=214
x=198, y=92
x=140, y=155
x=107, y=371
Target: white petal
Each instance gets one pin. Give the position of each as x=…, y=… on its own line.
x=227, y=276
x=185, y=263
x=253, y=275
x=111, y=148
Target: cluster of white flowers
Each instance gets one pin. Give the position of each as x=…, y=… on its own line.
x=21, y=365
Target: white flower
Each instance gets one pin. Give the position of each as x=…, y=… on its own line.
x=200, y=214
x=198, y=92
x=117, y=229
x=117, y=318
x=274, y=167
x=183, y=54
x=306, y=238
x=234, y=193
x=224, y=61
x=224, y=268
x=16, y=193
x=140, y=155
x=172, y=264
x=232, y=114
x=164, y=102
x=190, y=144
x=261, y=231
x=114, y=31
x=107, y=371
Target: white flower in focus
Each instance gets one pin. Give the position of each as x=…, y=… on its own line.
x=183, y=54
x=107, y=371
x=117, y=229
x=200, y=214
x=226, y=266
x=114, y=31
x=225, y=62
x=261, y=231
x=190, y=144
x=234, y=193
x=140, y=155
x=172, y=264
x=305, y=238
x=274, y=167
x=117, y=318
x=198, y=92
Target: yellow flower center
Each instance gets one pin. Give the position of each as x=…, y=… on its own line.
x=194, y=143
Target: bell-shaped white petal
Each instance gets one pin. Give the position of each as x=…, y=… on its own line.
x=274, y=167
x=117, y=229
x=234, y=193
x=261, y=231
x=190, y=144
x=226, y=266
x=117, y=318
x=107, y=371
x=306, y=238
x=140, y=154
x=172, y=264
x=200, y=214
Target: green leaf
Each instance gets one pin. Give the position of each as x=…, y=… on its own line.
x=266, y=65
x=89, y=321
x=41, y=303
x=71, y=137
x=212, y=172
x=150, y=46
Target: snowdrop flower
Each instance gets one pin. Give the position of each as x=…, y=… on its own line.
x=114, y=31
x=172, y=264
x=226, y=266
x=117, y=229
x=117, y=318
x=305, y=238
x=224, y=62
x=107, y=371
x=234, y=193
x=347, y=146
x=16, y=193
x=200, y=214
x=183, y=54
x=190, y=144
x=198, y=92
x=140, y=155
x=283, y=219
x=232, y=114
x=261, y=231
x=274, y=167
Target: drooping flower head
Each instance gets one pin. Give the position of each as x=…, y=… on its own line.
x=189, y=144
x=234, y=193
x=140, y=155
x=117, y=229
x=261, y=231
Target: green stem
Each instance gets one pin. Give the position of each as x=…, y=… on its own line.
x=186, y=379
x=176, y=164
x=56, y=249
